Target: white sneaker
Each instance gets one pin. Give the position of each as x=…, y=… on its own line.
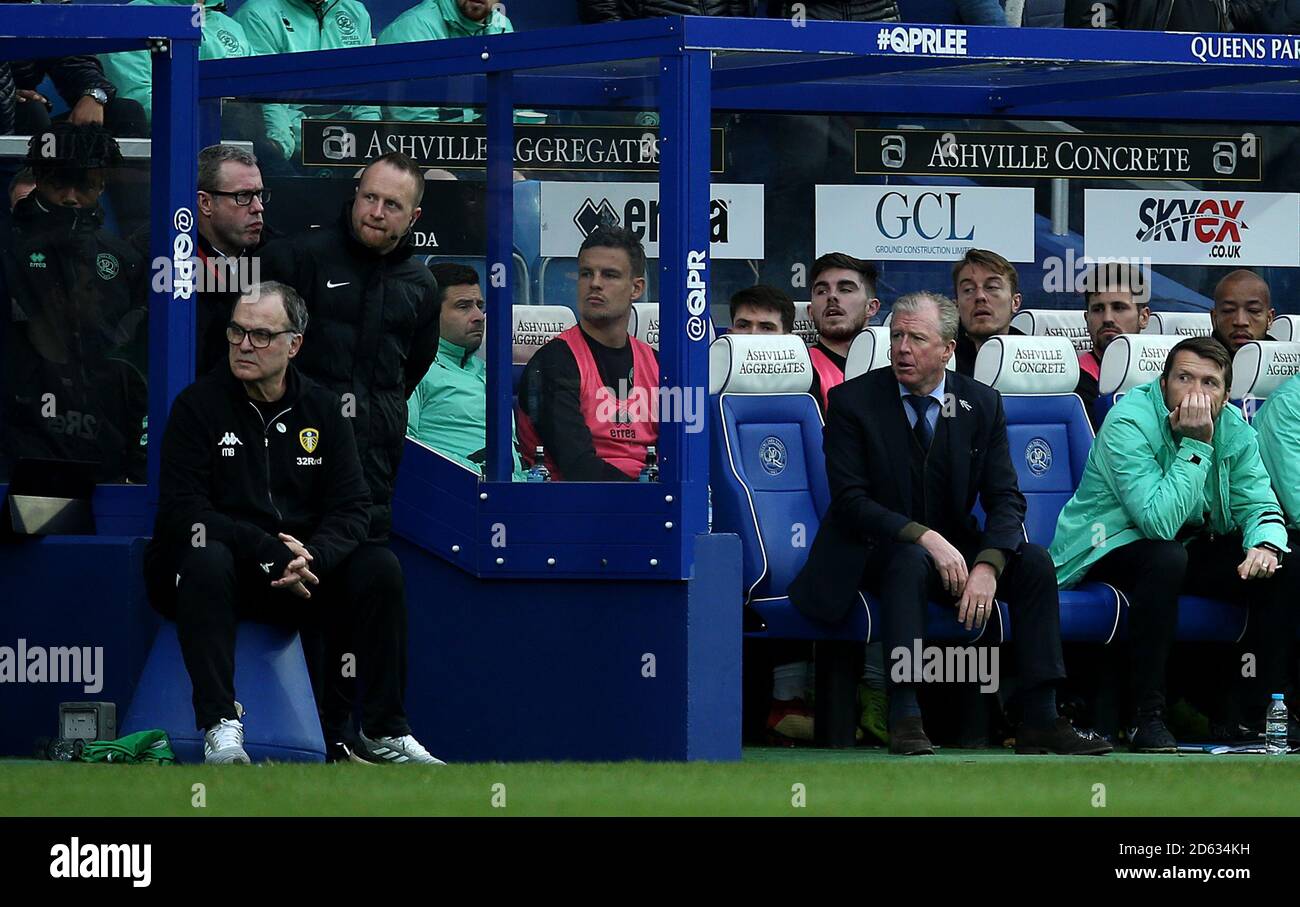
x=395, y=750
x=223, y=744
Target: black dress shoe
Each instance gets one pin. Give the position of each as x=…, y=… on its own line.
x=1062, y=738
x=1152, y=735
x=907, y=738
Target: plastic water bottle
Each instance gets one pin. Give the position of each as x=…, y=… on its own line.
x=1275, y=742
x=650, y=472
x=538, y=472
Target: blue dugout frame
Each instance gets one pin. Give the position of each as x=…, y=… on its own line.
x=172, y=35
x=690, y=66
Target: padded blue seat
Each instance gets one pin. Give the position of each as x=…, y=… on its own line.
x=768, y=476
x=271, y=682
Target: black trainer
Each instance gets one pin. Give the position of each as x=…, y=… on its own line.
x=1152, y=735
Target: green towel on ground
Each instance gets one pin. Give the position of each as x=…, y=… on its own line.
x=133, y=749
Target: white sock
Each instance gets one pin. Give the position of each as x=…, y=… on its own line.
x=789, y=680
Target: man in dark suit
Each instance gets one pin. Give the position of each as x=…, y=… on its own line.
x=908, y=449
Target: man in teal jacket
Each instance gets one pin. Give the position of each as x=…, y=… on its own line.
x=1278, y=425
x=1174, y=498
x=432, y=20
x=293, y=26
x=130, y=70
x=448, y=410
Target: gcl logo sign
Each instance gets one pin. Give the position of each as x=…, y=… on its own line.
x=929, y=215
x=697, y=299
x=1215, y=222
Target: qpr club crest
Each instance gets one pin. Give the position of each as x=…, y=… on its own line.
x=772, y=455
x=1038, y=456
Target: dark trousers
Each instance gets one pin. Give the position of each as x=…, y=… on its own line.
x=1152, y=573
x=902, y=575
x=353, y=630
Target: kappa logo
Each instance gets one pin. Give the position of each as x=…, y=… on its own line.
x=227, y=444
x=309, y=438
x=288, y=26
x=36, y=260
x=1213, y=222
x=266, y=568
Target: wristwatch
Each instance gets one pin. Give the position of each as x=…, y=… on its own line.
x=100, y=95
x=1277, y=552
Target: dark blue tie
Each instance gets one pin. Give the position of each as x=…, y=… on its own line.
x=921, y=406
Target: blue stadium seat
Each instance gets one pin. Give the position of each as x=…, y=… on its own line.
x=1049, y=437
x=271, y=683
x=770, y=488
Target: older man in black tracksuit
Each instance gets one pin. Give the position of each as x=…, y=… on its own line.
x=255, y=530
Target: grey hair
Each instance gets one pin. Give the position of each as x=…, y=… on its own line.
x=913, y=303
x=295, y=310
x=211, y=159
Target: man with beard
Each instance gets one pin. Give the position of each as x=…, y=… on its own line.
x=575, y=393
x=843, y=303
x=232, y=201
x=988, y=296
x=372, y=337
x=448, y=411
x=1115, y=301
x=74, y=357
x=1243, y=310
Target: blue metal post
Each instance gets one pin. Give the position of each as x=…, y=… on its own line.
x=684, y=280
x=500, y=272
x=172, y=236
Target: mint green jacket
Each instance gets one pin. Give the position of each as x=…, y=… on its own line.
x=293, y=26
x=448, y=410
x=433, y=20
x=130, y=71
x=1278, y=426
x=1141, y=482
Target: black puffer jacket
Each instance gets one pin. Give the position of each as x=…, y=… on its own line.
x=844, y=11
x=8, y=99
x=72, y=76
x=74, y=341
x=1267, y=17
x=372, y=333
x=615, y=10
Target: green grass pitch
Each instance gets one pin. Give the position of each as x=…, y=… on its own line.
x=865, y=782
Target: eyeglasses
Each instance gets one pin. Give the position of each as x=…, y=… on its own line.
x=244, y=197
x=260, y=338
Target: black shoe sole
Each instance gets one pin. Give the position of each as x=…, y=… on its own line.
x=926, y=751
x=1045, y=751
x=1163, y=750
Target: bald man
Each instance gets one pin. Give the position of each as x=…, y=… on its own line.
x=1243, y=310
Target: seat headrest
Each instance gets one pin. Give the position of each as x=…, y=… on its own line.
x=537, y=325
x=759, y=364
x=1181, y=324
x=1071, y=323
x=1261, y=366
x=869, y=350
x=1028, y=365
x=644, y=323
x=1132, y=360
x=803, y=323
x=1286, y=328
